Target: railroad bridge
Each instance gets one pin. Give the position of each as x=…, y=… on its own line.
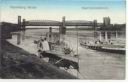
x=62, y=24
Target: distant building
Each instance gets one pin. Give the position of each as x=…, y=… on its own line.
x=106, y=21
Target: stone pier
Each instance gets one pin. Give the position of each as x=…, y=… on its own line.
x=23, y=24
x=19, y=22
x=18, y=39
x=62, y=28
x=95, y=29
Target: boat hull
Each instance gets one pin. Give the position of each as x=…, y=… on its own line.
x=104, y=49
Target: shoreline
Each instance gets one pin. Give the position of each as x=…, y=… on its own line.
x=18, y=63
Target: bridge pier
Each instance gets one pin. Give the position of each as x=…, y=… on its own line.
x=23, y=24
x=95, y=29
x=23, y=35
x=62, y=28
x=19, y=22
x=18, y=39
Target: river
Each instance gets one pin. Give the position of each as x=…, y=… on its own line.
x=93, y=64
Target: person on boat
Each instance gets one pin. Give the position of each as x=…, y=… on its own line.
x=40, y=47
x=91, y=43
x=100, y=42
x=39, y=44
x=96, y=42
x=110, y=42
x=45, y=45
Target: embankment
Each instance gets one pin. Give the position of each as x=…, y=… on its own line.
x=18, y=63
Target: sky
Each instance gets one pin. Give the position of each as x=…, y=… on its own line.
x=55, y=9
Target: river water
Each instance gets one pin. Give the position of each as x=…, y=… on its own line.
x=93, y=64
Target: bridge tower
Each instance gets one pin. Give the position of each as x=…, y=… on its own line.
x=63, y=26
x=19, y=22
x=95, y=28
x=23, y=24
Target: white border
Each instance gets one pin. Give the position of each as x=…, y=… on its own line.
x=52, y=80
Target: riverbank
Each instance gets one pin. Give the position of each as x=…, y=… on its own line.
x=18, y=63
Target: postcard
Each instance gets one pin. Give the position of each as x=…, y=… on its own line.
x=63, y=39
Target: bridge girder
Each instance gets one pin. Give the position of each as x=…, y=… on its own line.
x=57, y=24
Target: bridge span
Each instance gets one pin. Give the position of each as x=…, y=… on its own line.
x=58, y=23
x=62, y=24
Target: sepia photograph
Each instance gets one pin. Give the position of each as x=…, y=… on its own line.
x=63, y=39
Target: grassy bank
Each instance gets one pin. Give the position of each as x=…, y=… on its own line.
x=18, y=63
